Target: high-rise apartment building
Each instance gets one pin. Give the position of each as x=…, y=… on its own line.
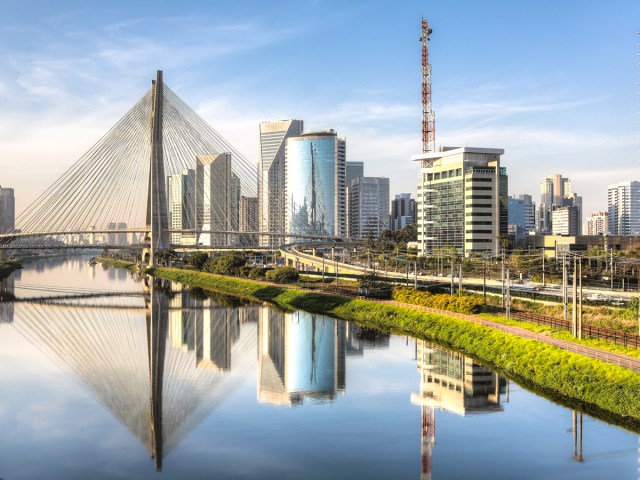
x=249, y=220
x=217, y=199
x=462, y=200
x=556, y=192
x=315, y=184
x=354, y=170
x=7, y=210
x=368, y=204
x=403, y=211
x=624, y=208
x=596, y=224
x=522, y=214
x=181, y=190
x=271, y=177
x=565, y=221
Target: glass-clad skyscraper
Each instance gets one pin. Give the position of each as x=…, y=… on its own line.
x=315, y=184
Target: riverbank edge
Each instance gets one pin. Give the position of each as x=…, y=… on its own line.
x=600, y=389
x=6, y=268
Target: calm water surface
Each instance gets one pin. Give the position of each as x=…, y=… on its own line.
x=160, y=382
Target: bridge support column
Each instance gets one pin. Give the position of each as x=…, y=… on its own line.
x=3, y=255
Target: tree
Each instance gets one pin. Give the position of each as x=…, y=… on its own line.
x=228, y=264
x=283, y=275
x=198, y=260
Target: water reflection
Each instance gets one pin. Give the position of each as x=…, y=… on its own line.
x=450, y=381
x=7, y=295
x=301, y=355
x=161, y=368
x=164, y=364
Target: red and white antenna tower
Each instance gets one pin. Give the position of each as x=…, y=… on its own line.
x=428, y=117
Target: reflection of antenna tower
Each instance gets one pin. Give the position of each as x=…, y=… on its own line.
x=451, y=382
x=428, y=432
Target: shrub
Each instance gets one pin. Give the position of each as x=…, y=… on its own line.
x=283, y=275
x=465, y=304
x=198, y=260
x=228, y=264
x=256, y=273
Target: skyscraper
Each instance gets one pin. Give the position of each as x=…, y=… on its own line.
x=556, y=192
x=354, y=170
x=217, y=199
x=403, y=211
x=315, y=184
x=624, y=208
x=462, y=200
x=597, y=224
x=271, y=177
x=368, y=205
x=181, y=190
x=522, y=214
x=7, y=210
x=249, y=220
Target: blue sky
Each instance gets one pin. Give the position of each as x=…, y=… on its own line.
x=553, y=83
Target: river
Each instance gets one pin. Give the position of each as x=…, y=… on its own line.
x=108, y=375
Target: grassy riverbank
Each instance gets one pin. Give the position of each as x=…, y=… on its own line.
x=578, y=381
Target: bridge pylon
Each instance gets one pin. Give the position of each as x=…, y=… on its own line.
x=157, y=213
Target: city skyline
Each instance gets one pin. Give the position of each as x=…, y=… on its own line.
x=558, y=92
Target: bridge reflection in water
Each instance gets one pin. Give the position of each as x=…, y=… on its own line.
x=164, y=361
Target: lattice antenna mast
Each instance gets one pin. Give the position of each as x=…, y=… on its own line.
x=428, y=117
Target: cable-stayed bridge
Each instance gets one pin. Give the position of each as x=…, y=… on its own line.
x=161, y=177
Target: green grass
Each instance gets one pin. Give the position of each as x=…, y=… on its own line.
x=591, y=385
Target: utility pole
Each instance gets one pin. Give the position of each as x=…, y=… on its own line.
x=543, y=282
x=415, y=277
x=502, y=276
x=565, y=287
x=452, y=275
x=460, y=280
x=574, y=312
x=484, y=281
x=322, y=268
x=580, y=304
x=611, y=271
x=508, y=301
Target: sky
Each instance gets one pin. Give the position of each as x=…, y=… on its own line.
x=555, y=84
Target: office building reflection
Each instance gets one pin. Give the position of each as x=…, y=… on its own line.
x=300, y=355
x=7, y=286
x=160, y=367
x=359, y=339
x=450, y=381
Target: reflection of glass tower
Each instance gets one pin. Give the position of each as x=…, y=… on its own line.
x=315, y=184
x=300, y=355
x=450, y=381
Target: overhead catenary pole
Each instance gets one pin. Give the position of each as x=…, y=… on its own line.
x=574, y=312
x=565, y=287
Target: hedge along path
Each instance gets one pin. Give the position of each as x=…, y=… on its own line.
x=516, y=352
